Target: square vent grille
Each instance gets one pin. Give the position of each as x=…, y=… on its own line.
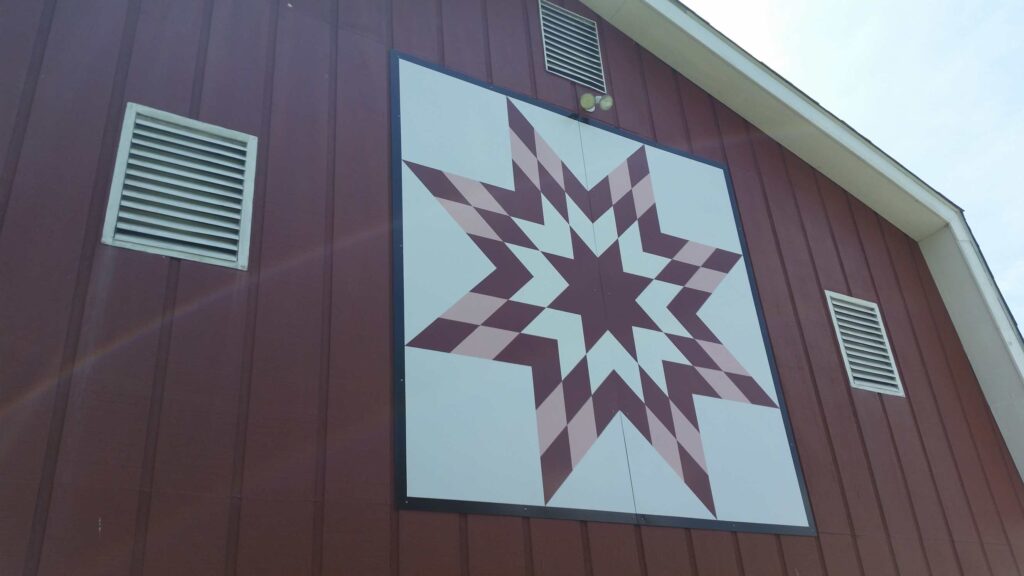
x=572, y=48
x=182, y=188
x=864, y=344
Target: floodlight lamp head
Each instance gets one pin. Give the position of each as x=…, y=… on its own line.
x=590, y=102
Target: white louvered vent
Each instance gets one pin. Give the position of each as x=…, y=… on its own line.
x=571, y=47
x=864, y=344
x=182, y=188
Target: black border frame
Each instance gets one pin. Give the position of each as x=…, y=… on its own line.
x=406, y=502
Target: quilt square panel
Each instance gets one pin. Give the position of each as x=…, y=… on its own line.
x=577, y=332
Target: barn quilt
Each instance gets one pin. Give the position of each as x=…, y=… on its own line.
x=577, y=332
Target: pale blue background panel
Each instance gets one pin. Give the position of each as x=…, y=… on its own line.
x=472, y=428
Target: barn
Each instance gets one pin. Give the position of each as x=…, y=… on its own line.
x=477, y=287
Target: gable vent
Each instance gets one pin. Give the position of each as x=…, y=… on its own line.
x=864, y=344
x=571, y=47
x=181, y=188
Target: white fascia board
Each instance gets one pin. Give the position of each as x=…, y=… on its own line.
x=990, y=337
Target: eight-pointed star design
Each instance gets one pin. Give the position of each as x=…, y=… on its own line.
x=491, y=321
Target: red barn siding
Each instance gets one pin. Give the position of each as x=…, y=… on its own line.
x=165, y=417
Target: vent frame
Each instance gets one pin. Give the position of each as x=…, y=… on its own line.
x=561, y=70
x=247, y=146
x=895, y=387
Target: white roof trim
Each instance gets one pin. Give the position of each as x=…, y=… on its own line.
x=690, y=45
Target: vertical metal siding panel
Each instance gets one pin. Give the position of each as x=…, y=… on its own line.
x=814, y=257
x=359, y=454
x=858, y=481
x=496, y=546
x=1017, y=485
x=972, y=557
x=667, y=551
x=276, y=537
x=950, y=494
x=860, y=284
x=416, y=28
x=164, y=55
x=892, y=489
x=428, y=544
x=921, y=488
x=892, y=494
x=909, y=554
x=760, y=554
x=699, y=116
x=1011, y=467
x=716, y=553
x=277, y=510
x=839, y=554
x=40, y=245
x=613, y=549
x=625, y=82
x=464, y=37
x=287, y=332
x=905, y=435
x=101, y=456
x=802, y=556
x=327, y=292
x=200, y=394
x=186, y=534
x=808, y=427
x=942, y=557
x=876, y=554
x=241, y=433
x=40, y=248
x=509, y=45
x=962, y=404
x=919, y=386
x=195, y=453
x=961, y=392
x=949, y=418
x=666, y=112
x=358, y=538
x=21, y=41
x=236, y=66
x=110, y=401
x=1001, y=559
x=367, y=17
x=557, y=548
x=972, y=401
x=1003, y=478
x=781, y=188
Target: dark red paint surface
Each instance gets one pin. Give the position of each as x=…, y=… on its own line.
x=164, y=417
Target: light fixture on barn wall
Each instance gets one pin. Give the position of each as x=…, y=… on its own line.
x=590, y=102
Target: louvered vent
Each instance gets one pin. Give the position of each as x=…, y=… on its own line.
x=571, y=47
x=182, y=188
x=864, y=344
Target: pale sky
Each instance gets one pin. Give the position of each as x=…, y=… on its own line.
x=937, y=84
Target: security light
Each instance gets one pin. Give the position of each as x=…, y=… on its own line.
x=590, y=102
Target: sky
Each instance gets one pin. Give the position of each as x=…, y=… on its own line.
x=937, y=84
